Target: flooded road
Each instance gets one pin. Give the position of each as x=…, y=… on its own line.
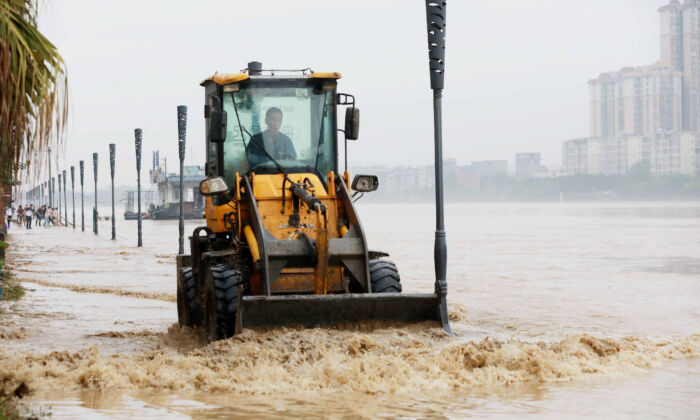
x=558, y=309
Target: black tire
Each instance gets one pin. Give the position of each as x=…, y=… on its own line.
x=384, y=276
x=188, y=310
x=224, y=287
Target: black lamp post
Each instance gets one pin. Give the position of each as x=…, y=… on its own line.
x=72, y=187
x=94, y=209
x=52, y=191
x=112, y=147
x=82, y=196
x=181, y=133
x=50, y=177
x=138, y=138
x=436, y=15
x=60, y=208
x=65, y=197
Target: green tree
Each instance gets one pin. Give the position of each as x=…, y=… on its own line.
x=640, y=171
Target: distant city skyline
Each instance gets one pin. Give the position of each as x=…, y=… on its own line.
x=515, y=77
x=648, y=113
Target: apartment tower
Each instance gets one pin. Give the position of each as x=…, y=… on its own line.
x=691, y=64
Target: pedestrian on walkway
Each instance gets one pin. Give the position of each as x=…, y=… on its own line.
x=20, y=215
x=39, y=215
x=28, y=214
x=9, y=211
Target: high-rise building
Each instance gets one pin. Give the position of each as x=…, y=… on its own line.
x=636, y=101
x=672, y=35
x=680, y=49
x=647, y=113
x=691, y=65
x=660, y=97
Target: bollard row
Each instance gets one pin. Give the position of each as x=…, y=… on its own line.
x=46, y=191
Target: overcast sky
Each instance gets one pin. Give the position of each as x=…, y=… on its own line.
x=516, y=70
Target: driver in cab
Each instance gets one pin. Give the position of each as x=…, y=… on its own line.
x=276, y=144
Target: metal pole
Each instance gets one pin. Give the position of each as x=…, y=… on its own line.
x=181, y=134
x=82, y=196
x=65, y=197
x=52, y=186
x=94, y=209
x=112, y=147
x=60, y=207
x=72, y=186
x=436, y=14
x=138, y=135
x=50, y=177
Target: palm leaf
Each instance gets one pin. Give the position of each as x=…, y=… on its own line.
x=33, y=91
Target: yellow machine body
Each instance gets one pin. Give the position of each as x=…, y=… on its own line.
x=269, y=193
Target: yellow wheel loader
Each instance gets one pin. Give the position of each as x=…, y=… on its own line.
x=283, y=242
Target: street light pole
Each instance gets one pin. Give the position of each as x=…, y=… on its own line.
x=82, y=196
x=436, y=14
x=112, y=147
x=181, y=133
x=94, y=210
x=65, y=197
x=72, y=186
x=50, y=177
x=60, y=207
x=138, y=138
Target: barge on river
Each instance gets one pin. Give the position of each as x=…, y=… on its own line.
x=167, y=204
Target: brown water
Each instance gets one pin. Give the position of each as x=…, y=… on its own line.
x=559, y=310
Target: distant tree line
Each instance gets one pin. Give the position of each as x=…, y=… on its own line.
x=637, y=184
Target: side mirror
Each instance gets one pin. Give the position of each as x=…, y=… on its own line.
x=365, y=183
x=213, y=186
x=352, y=123
x=217, y=126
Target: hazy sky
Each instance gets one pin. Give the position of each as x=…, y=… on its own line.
x=516, y=70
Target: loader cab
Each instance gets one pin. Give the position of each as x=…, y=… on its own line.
x=292, y=116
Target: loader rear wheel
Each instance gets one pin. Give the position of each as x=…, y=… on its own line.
x=224, y=287
x=188, y=311
x=384, y=276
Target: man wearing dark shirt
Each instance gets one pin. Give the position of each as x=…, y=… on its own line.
x=40, y=215
x=278, y=145
x=28, y=213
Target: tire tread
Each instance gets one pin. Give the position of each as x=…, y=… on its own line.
x=384, y=276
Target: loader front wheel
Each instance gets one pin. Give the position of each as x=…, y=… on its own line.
x=384, y=276
x=223, y=289
x=188, y=310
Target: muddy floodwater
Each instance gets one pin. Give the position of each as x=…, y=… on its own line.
x=559, y=310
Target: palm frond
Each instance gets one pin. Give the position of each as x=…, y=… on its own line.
x=33, y=90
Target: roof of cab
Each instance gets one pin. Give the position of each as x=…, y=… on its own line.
x=228, y=78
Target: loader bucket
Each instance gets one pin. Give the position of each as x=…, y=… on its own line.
x=314, y=310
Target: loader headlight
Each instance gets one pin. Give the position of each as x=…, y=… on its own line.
x=365, y=183
x=213, y=186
